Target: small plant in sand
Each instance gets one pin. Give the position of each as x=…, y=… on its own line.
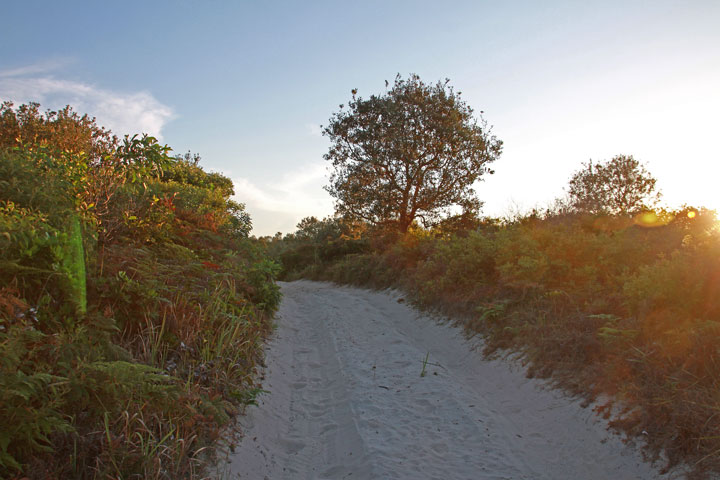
x=425, y=363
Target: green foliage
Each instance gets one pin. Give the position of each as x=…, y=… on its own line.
x=103, y=387
x=260, y=276
x=185, y=170
x=412, y=153
x=456, y=269
x=25, y=234
x=207, y=192
x=40, y=258
x=43, y=242
x=30, y=401
x=132, y=303
x=25, y=180
x=142, y=157
x=318, y=242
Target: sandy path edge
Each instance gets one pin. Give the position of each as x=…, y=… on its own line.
x=347, y=401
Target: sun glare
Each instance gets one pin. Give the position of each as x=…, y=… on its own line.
x=649, y=219
x=691, y=214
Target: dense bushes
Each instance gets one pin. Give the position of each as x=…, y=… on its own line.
x=132, y=303
x=603, y=305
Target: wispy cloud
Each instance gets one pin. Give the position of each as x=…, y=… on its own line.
x=296, y=195
x=45, y=66
x=297, y=192
x=123, y=113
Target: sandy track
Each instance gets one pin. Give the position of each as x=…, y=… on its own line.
x=347, y=402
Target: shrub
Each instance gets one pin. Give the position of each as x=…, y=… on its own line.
x=132, y=303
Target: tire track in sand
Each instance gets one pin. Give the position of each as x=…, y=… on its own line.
x=347, y=401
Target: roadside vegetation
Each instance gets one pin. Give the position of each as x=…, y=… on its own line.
x=133, y=305
x=606, y=307
x=605, y=293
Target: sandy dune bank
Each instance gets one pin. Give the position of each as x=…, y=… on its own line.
x=347, y=401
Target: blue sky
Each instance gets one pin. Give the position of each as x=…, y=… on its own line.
x=247, y=84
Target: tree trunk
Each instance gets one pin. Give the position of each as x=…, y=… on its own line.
x=404, y=223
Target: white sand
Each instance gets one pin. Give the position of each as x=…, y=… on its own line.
x=347, y=402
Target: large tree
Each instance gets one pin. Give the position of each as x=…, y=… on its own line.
x=619, y=186
x=413, y=153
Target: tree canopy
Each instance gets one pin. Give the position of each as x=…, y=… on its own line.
x=619, y=186
x=413, y=153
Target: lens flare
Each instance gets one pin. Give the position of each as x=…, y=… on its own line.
x=649, y=219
